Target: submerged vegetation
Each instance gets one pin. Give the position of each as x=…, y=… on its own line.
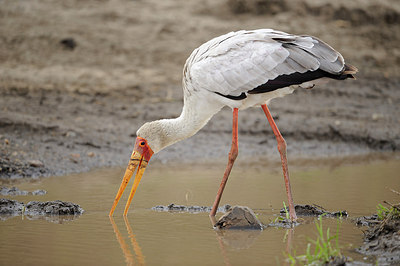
x=326, y=248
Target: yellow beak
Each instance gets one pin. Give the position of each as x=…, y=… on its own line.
x=136, y=160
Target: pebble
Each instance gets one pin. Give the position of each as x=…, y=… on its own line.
x=35, y=163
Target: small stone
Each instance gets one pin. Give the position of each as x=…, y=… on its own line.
x=70, y=134
x=35, y=163
x=376, y=116
x=91, y=154
x=75, y=157
x=68, y=43
x=239, y=217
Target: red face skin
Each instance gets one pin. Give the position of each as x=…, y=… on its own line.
x=142, y=147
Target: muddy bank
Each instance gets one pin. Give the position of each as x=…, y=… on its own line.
x=73, y=93
x=33, y=209
x=382, y=238
x=314, y=210
x=73, y=132
x=383, y=242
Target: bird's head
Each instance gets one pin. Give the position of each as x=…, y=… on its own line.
x=150, y=139
x=139, y=159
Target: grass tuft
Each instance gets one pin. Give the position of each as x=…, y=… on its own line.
x=384, y=212
x=286, y=211
x=326, y=247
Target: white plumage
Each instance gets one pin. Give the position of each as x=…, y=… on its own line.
x=237, y=63
x=240, y=70
x=240, y=61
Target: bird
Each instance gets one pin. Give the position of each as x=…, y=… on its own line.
x=240, y=69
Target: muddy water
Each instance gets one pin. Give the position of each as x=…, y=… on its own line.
x=154, y=238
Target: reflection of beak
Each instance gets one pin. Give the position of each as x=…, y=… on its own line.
x=136, y=160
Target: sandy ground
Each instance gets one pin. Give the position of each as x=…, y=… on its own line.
x=77, y=79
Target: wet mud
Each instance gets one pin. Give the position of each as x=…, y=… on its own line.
x=10, y=208
x=383, y=241
x=66, y=109
x=314, y=210
x=14, y=191
x=382, y=238
x=191, y=209
x=304, y=211
x=367, y=220
x=239, y=217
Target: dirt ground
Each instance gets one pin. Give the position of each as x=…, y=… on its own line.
x=78, y=78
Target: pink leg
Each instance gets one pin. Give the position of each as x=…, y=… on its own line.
x=232, y=156
x=282, y=150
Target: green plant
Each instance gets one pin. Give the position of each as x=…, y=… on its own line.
x=326, y=247
x=381, y=211
x=384, y=212
x=287, y=216
x=286, y=211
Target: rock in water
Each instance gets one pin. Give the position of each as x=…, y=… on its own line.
x=56, y=207
x=239, y=217
x=314, y=210
x=10, y=207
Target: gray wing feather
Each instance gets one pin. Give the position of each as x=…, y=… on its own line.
x=241, y=61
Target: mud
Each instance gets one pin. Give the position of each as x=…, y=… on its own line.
x=367, y=220
x=305, y=210
x=56, y=207
x=14, y=191
x=382, y=238
x=192, y=209
x=239, y=217
x=314, y=210
x=10, y=208
x=383, y=241
x=73, y=93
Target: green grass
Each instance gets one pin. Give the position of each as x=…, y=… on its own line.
x=287, y=215
x=384, y=212
x=286, y=211
x=326, y=246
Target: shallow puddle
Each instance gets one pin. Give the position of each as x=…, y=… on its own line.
x=154, y=238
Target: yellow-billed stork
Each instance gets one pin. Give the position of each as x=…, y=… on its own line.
x=240, y=69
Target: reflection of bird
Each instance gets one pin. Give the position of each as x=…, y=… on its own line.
x=240, y=70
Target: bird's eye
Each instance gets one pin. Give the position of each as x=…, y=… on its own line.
x=142, y=143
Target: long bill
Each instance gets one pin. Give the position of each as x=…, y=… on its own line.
x=136, y=160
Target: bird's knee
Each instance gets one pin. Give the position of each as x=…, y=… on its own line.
x=282, y=145
x=233, y=154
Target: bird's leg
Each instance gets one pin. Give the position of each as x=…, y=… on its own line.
x=282, y=150
x=232, y=156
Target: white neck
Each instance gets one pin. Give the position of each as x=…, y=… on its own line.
x=165, y=132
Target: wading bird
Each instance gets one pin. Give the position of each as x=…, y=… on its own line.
x=240, y=69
